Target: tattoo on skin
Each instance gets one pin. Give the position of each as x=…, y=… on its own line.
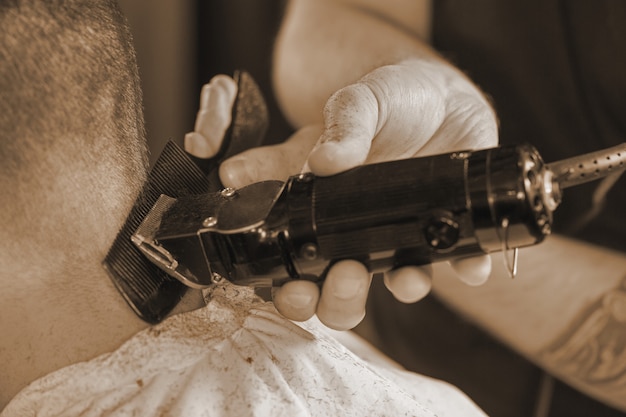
x=593, y=348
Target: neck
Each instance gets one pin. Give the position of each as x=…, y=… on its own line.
x=52, y=323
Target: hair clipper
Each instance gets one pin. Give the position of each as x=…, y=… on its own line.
x=386, y=215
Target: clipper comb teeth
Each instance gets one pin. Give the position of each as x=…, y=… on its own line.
x=149, y=291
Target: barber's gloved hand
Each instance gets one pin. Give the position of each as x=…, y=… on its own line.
x=398, y=111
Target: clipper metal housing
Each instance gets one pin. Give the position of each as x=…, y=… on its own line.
x=407, y=212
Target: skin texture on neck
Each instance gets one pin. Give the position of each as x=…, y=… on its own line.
x=58, y=305
x=72, y=161
x=58, y=321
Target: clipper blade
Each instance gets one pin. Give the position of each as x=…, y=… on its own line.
x=149, y=291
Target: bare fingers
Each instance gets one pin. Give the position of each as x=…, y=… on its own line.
x=297, y=300
x=276, y=162
x=213, y=118
x=344, y=294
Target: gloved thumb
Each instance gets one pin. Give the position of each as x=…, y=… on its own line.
x=351, y=123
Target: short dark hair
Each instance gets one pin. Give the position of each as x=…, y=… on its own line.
x=67, y=67
x=70, y=104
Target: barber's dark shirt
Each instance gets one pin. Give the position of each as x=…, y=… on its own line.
x=556, y=74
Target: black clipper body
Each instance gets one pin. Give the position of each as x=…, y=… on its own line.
x=406, y=212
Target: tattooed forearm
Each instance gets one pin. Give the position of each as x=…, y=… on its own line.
x=592, y=351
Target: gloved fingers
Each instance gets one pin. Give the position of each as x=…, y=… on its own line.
x=473, y=270
x=470, y=123
x=351, y=123
x=409, y=284
x=297, y=300
x=344, y=294
x=276, y=162
x=213, y=118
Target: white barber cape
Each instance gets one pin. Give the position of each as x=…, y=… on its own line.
x=237, y=357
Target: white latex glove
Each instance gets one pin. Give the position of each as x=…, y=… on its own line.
x=414, y=108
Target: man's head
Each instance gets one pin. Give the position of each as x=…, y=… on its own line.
x=71, y=126
x=72, y=161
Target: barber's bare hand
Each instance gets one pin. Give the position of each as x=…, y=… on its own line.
x=213, y=117
x=341, y=305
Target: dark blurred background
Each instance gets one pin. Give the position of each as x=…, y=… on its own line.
x=181, y=44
